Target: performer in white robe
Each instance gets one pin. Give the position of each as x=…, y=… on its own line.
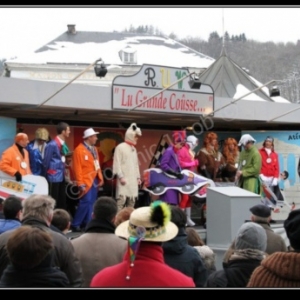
x=126, y=168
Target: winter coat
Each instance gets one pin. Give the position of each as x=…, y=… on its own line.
x=98, y=248
x=126, y=165
x=42, y=275
x=270, y=169
x=250, y=165
x=84, y=167
x=64, y=256
x=8, y=224
x=278, y=270
x=236, y=273
x=53, y=164
x=185, y=258
x=149, y=270
x=169, y=161
x=275, y=242
x=12, y=159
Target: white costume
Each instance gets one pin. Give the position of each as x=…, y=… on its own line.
x=126, y=167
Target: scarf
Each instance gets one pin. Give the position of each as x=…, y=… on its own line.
x=248, y=254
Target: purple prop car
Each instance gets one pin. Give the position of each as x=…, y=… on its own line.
x=157, y=182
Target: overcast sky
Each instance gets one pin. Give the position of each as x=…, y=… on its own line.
x=26, y=29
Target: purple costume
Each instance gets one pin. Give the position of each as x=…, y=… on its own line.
x=169, y=161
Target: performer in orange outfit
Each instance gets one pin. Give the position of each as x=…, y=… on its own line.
x=88, y=177
x=187, y=161
x=15, y=159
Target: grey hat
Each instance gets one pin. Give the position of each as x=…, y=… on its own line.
x=261, y=210
x=251, y=236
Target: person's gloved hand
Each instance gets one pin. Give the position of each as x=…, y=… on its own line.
x=196, y=161
x=179, y=176
x=263, y=177
x=274, y=182
x=18, y=176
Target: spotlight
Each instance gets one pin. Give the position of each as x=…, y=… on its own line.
x=194, y=82
x=100, y=70
x=274, y=91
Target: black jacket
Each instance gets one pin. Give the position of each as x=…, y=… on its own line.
x=179, y=255
x=236, y=273
x=43, y=275
x=64, y=254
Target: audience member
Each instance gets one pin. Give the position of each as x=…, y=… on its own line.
x=61, y=219
x=30, y=251
x=179, y=255
x=249, y=251
x=12, y=210
x=281, y=269
x=38, y=212
x=99, y=247
x=261, y=214
x=123, y=215
x=205, y=252
x=143, y=264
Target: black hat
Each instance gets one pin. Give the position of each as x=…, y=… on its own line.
x=292, y=228
x=261, y=210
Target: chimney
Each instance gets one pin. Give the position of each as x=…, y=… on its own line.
x=71, y=29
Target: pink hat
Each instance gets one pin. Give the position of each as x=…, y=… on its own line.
x=179, y=136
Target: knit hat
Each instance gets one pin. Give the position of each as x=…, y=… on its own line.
x=192, y=141
x=42, y=134
x=246, y=138
x=179, y=136
x=261, y=210
x=251, y=236
x=292, y=228
x=131, y=132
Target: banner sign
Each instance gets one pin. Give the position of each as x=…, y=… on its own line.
x=164, y=91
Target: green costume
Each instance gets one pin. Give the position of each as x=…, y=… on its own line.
x=250, y=165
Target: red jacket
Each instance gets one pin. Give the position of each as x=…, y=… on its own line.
x=269, y=163
x=149, y=270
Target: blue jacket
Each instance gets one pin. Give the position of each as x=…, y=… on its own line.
x=35, y=158
x=54, y=167
x=8, y=224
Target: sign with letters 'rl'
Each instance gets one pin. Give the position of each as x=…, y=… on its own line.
x=159, y=89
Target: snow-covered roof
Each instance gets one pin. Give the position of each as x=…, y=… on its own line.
x=86, y=47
